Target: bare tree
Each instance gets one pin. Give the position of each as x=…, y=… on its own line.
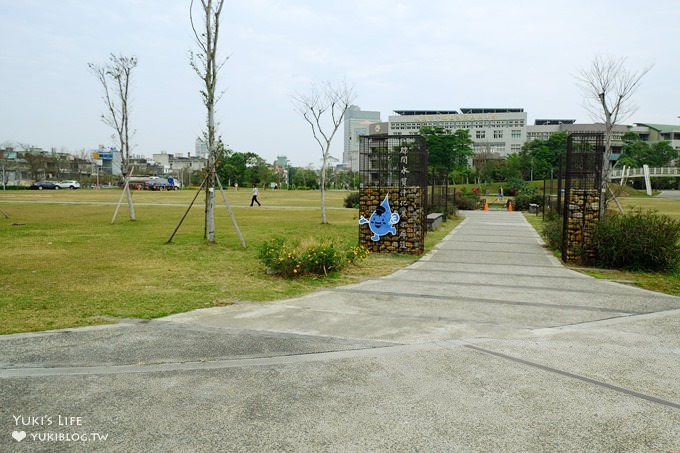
x=324, y=107
x=115, y=77
x=608, y=87
x=204, y=62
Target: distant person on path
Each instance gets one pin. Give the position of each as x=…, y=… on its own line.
x=500, y=193
x=254, y=193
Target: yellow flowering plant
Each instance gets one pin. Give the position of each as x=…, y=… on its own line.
x=315, y=257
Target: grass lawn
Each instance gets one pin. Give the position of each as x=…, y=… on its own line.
x=668, y=283
x=63, y=264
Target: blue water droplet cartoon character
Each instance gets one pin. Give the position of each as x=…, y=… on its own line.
x=382, y=220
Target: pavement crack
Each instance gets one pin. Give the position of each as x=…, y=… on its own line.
x=240, y=362
x=569, y=375
x=455, y=298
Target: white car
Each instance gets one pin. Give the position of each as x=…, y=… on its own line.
x=69, y=184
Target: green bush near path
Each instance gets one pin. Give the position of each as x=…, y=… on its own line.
x=63, y=264
x=666, y=282
x=638, y=240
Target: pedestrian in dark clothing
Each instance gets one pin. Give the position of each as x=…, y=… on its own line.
x=254, y=193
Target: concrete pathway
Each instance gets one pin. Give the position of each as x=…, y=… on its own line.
x=670, y=194
x=485, y=344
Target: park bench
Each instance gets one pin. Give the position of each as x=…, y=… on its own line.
x=434, y=220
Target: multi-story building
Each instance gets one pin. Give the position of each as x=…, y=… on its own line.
x=21, y=167
x=108, y=160
x=543, y=129
x=174, y=164
x=495, y=132
x=201, y=148
x=654, y=133
x=356, y=123
x=280, y=168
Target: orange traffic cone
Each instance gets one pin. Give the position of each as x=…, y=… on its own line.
x=486, y=206
x=509, y=205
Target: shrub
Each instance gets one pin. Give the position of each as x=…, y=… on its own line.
x=552, y=230
x=316, y=258
x=352, y=200
x=637, y=241
x=514, y=186
x=468, y=202
x=524, y=194
x=524, y=199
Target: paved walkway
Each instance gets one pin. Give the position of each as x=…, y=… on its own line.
x=670, y=194
x=486, y=344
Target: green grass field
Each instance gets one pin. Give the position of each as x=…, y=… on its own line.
x=63, y=264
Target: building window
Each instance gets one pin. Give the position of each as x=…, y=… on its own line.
x=498, y=133
x=516, y=133
x=480, y=134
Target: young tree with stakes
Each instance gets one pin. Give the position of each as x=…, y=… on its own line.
x=608, y=87
x=115, y=80
x=315, y=107
x=204, y=62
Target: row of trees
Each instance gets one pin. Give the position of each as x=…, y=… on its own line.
x=637, y=153
x=245, y=169
x=323, y=107
x=540, y=159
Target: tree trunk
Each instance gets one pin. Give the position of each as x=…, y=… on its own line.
x=131, y=206
x=210, y=215
x=323, y=189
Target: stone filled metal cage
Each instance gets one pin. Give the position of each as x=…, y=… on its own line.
x=582, y=195
x=394, y=169
x=393, y=161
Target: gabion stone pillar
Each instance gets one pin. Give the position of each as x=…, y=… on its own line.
x=582, y=197
x=407, y=234
x=581, y=214
x=393, y=193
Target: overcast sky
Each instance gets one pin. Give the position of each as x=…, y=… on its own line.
x=399, y=54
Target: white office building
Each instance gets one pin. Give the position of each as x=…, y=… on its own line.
x=495, y=132
x=357, y=123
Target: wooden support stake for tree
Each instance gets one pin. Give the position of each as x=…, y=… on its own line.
x=126, y=188
x=187, y=210
x=616, y=200
x=231, y=213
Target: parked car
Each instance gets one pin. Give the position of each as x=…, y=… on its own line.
x=69, y=184
x=41, y=185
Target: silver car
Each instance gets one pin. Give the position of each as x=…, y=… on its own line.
x=69, y=184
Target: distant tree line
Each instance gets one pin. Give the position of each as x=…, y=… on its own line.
x=248, y=168
x=537, y=160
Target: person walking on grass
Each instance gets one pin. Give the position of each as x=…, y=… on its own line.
x=254, y=193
